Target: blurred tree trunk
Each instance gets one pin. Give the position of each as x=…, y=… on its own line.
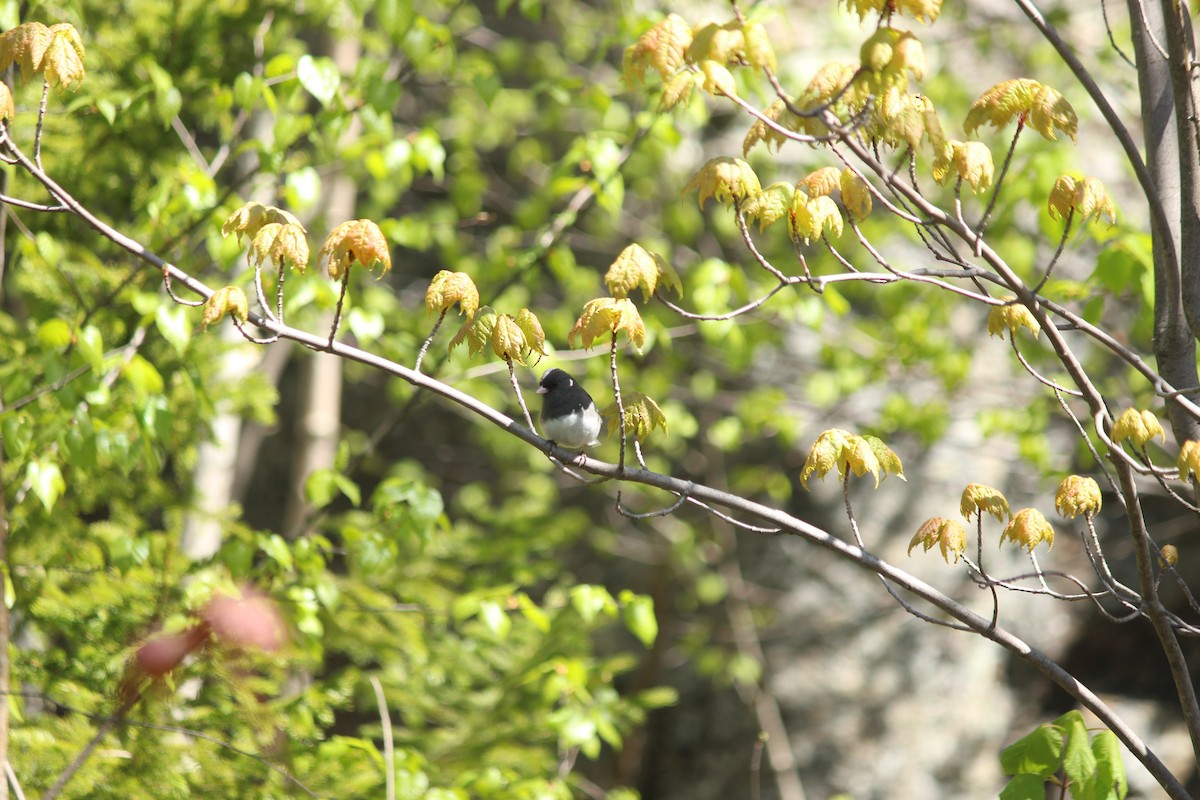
x=218, y=460
x=318, y=423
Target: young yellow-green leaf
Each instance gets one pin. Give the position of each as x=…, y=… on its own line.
x=62, y=63
x=860, y=458
x=770, y=205
x=760, y=131
x=637, y=268
x=827, y=452
x=508, y=340
x=721, y=44
x=948, y=534
x=1027, y=529
x=821, y=183
x=978, y=500
x=974, y=162
x=908, y=119
x=1092, y=200
x=718, y=79
x=1189, y=460
x=877, y=51
x=924, y=10
x=677, y=89
x=448, y=288
x=889, y=462
x=642, y=416
x=809, y=217
x=476, y=331
x=1009, y=317
x=908, y=54
x=606, y=316
x=856, y=195
x=759, y=53
x=1138, y=426
x=226, y=300
x=358, y=241
x=24, y=45
x=247, y=220
x=7, y=109
x=1061, y=202
x=729, y=180
x=535, y=337
x=831, y=80
x=1077, y=495
x=1027, y=101
x=662, y=47
x=280, y=243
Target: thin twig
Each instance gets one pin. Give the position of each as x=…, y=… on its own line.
x=83, y=755
x=41, y=120
x=612, y=367
x=999, y=182
x=389, y=756
x=512, y=378
x=429, y=339
x=337, y=312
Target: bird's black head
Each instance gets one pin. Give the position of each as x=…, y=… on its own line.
x=554, y=379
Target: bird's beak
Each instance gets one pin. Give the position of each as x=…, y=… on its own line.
x=541, y=390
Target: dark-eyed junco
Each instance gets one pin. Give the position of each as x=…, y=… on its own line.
x=569, y=416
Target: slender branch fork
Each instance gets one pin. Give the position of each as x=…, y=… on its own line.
x=706, y=497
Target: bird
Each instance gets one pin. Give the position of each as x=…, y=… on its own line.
x=569, y=415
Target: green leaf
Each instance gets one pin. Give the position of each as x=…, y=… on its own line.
x=18, y=433
x=90, y=345
x=319, y=76
x=54, y=334
x=639, y=617
x=46, y=481
x=127, y=551
x=323, y=485
x=10, y=591
x=167, y=103
x=302, y=189
x=1024, y=787
x=1110, y=769
x=276, y=548
x=536, y=616
x=495, y=618
x=1037, y=753
x=143, y=377
x=175, y=324
x=1079, y=763
x=589, y=601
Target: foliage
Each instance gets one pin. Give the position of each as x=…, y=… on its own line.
x=448, y=632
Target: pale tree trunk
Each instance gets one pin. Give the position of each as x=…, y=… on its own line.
x=218, y=460
x=1161, y=46
x=318, y=424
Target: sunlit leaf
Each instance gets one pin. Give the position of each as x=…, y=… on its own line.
x=978, y=500
x=1077, y=495
x=1027, y=529
x=358, y=241
x=726, y=179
